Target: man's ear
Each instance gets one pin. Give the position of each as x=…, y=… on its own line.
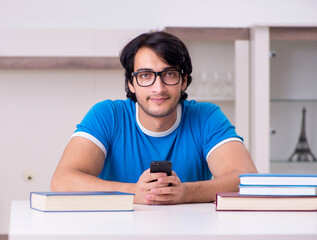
x=131, y=87
x=184, y=82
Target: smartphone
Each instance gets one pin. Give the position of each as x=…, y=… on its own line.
x=161, y=166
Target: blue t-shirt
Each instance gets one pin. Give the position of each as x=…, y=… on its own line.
x=129, y=147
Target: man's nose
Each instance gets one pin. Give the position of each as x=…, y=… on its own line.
x=158, y=85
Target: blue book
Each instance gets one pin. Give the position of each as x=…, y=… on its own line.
x=278, y=179
x=81, y=201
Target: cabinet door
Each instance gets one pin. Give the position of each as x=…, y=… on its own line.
x=293, y=90
x=280, y=88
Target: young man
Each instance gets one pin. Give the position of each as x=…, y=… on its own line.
x=113, y=146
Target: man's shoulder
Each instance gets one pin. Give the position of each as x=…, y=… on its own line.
x=192, y=106
x=201, y=112
x=115, y=105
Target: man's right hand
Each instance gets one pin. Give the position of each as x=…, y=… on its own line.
x=146, y=182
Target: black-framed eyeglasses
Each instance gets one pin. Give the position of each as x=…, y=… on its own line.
x=146, y=78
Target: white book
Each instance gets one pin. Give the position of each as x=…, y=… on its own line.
x=81, y=201
x=276, y=190
x=279, y=179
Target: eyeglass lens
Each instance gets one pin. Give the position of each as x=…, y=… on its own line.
x=147, y=78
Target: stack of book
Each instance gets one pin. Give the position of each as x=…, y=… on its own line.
x=271, y=192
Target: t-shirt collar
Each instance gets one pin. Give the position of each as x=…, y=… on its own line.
x=159, y=134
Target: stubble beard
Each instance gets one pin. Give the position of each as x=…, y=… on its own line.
x=165, y=113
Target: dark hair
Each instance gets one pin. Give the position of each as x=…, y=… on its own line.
x=170, y=48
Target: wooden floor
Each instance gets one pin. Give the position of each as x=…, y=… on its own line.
x=3, y=237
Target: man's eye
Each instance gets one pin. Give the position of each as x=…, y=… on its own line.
x=145, y=75
x=171, y=74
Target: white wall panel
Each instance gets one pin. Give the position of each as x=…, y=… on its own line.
x=39, y=111
x=123, y=14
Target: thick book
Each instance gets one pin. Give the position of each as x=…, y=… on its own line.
x=232, y=201
x=278, y=179
x=288, y=190
x=81, y=201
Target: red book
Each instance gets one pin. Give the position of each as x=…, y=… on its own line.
x=232, y=201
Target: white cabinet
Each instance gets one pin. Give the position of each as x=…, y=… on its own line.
x=267, y=91
x=287, y=83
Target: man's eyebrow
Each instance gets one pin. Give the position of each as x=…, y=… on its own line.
x=150, y=69
x=144, y=69
x=171, y=68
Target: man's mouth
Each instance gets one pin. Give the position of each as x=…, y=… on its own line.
x=158, y=99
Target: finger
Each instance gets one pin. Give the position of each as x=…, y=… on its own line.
x=164, y=191
x=159, y=202
x=173, y=180
x=153, y=198
x=146, y=172
x=155, y=176
x=156, y=184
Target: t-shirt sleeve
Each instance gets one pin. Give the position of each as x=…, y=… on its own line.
x=216, y=129
x=98, y=124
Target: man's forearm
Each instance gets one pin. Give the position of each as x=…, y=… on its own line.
x=205, y=191
x=74, y=180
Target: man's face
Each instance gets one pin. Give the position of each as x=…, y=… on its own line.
x=157, y=100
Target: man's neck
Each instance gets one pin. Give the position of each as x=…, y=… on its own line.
x=157, y=124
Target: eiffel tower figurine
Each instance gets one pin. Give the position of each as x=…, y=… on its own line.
x=302, y=152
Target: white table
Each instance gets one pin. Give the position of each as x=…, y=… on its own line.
x=187, y=221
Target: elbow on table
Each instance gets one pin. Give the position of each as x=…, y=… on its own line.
x=57, y=184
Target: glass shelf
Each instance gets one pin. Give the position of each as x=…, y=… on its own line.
x=211, y=99
x=292, y=100
x=286, y=120
x=293, y=167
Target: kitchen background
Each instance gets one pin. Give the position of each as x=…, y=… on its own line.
x=39, y=108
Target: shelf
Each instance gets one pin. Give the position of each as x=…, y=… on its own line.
x=293, y=100
x=293, y=167
x=206, y=34
x=211, y=99
x=29, y=63
x=293, y=33
x=287, y=162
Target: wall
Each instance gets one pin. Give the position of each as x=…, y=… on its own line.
x=114, y=14
x=39, y=109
